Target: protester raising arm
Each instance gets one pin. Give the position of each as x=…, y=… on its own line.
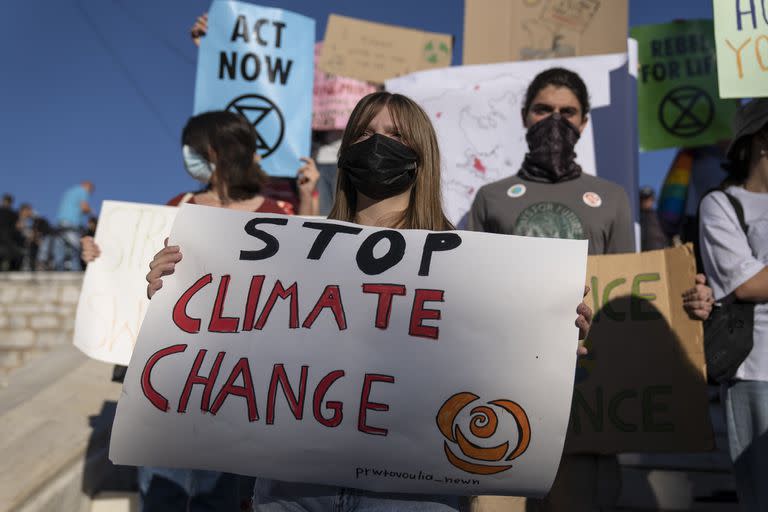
x=306, y=183
x=308, y=175
x=199, y=29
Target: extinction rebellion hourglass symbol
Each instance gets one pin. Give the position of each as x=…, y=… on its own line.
x=266, y=118
x=686, y=111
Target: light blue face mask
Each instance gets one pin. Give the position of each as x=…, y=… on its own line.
x=197, y=166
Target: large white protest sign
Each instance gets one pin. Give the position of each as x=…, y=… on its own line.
x=476, y=111
x=113, y=299
x=326, y=352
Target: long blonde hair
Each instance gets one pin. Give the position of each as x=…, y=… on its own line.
x=425, y=209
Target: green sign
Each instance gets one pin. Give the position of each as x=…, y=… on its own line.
x=678, y=103
x=741, y=33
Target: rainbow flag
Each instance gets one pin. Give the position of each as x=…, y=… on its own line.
x=674, y=192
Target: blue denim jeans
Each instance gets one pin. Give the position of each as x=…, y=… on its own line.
x=182, y=490
x=66, y=248
x=276, y=496
x=746, y=414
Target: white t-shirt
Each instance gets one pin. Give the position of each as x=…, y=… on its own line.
x=731, y=258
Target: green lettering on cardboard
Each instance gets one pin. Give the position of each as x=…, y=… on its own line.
x=636, y=302
x=595, y=416
x=613, y=410
x=595, y=298
x=606, y=308
x=650, y=407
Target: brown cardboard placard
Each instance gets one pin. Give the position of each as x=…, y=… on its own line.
x=376, y=52
x=642, y=388
x=512, y=30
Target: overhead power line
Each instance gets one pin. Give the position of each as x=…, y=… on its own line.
x=123, y=67
x=155, y=34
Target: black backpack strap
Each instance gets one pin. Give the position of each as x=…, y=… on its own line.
x=735, y=203
x=739, y=211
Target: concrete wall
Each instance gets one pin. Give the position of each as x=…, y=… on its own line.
x=37, y=313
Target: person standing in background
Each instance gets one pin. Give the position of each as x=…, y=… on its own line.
x=10, y=252
x=73, y=208
x=733, y=230
x=28, y=236
x=551, y=197
x=652, y=237
x=219, y=151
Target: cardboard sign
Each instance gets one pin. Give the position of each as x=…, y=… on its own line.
x=476, y=113
x=677, y=90
x=504, y=31
x=113, y=299
x=258, y=62
x=642, y=388
x=741, y=34
x=376, y=52
x=327, y=352
x=335, y=97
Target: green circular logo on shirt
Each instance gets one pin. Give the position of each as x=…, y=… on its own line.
x=549, y=220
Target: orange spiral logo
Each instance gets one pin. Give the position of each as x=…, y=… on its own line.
x=483, y=423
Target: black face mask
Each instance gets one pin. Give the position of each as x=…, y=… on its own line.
x=379, y=167
x=550, y=156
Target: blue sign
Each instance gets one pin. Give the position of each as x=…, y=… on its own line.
x=259, y=62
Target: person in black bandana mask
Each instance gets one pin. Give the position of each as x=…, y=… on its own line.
x=551, y=158
x=551, y=197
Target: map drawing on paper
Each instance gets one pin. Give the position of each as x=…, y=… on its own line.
x=477, y=113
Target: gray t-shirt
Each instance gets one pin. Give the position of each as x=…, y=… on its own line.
x=585, y=208
x=732, y=258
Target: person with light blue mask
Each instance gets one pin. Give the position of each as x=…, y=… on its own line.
x=197, y=166
x=218, y=151
x=200, y=164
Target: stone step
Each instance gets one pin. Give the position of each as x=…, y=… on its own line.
x=55, y=416
x=115, y=502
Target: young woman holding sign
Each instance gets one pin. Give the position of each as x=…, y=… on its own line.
x=389, y=176
x=219, y=151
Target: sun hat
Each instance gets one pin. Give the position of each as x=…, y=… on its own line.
x=749, y=119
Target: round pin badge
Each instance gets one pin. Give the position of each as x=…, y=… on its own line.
x=516, y=191
x=592, y=199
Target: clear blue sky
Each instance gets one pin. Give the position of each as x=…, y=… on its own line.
x=100, y=89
